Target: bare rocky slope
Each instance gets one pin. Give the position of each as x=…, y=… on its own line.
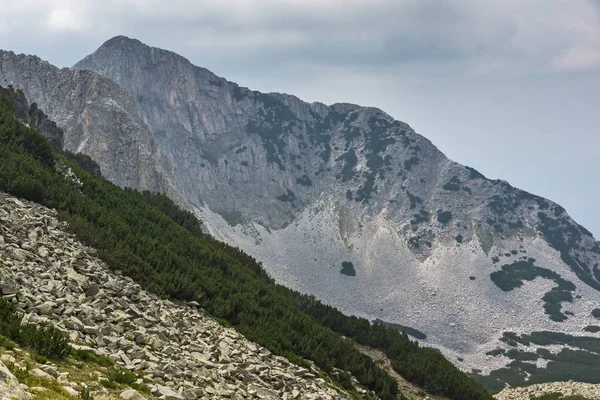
x=340, y=201
x=181, y=354
x=566, y=389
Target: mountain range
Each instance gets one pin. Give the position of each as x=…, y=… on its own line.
x=342, y=202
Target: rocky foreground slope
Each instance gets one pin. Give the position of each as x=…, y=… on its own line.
x=565, y=389
x=181, y=353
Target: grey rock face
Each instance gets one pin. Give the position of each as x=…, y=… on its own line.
x=131, y=394
x=306, y=187
x=260, y=157
x=263, y=157
x=98, y=117
x=9, y=385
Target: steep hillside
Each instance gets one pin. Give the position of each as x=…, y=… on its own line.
x=346, y=203
x=174, y=348
x=147, y=237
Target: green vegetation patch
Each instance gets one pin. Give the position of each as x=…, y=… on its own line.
x=453, y=184
x=423, y=216
x=495, y=352
x=511, y=276
x=414, y=200
x=474, y=174
x=379, y=135
x=406, y=329
x=350, y=160
x=47, y=341
x=348, y=269
x=287, y=197
x=410, y=163
x=367, y=189
x=565, y=236
x=592, y=329
x=579, y=365
x=520, y=355
x=444, y=216
x=304, y=180
x=273, y=122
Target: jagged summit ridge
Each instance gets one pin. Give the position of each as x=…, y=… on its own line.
x=133, y=50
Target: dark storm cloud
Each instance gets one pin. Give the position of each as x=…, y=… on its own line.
x=379, y=32
x=486, y=35
x=371, y=33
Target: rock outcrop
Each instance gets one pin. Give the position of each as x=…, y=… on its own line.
x=56, y=280
x=98, y=118
x=570, y=388
x=34, y=117
x=10, y=389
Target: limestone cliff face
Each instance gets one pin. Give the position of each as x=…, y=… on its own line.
x=278, y=151
x=251, y=156
x=98, y=117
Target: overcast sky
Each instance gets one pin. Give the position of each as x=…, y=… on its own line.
x=510, y=87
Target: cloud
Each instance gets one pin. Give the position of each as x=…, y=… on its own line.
x=353, y=33
x=486, y=37
x=578, y=58
x=490, y=37
x=64, y=19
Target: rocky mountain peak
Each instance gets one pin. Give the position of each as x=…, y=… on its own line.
x=121, y=56
x=238, y=139
x=122, y=41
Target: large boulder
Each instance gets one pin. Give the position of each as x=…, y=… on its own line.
x=8, y=286
x=166, y=393
x=131, y=394
x=10, y=389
